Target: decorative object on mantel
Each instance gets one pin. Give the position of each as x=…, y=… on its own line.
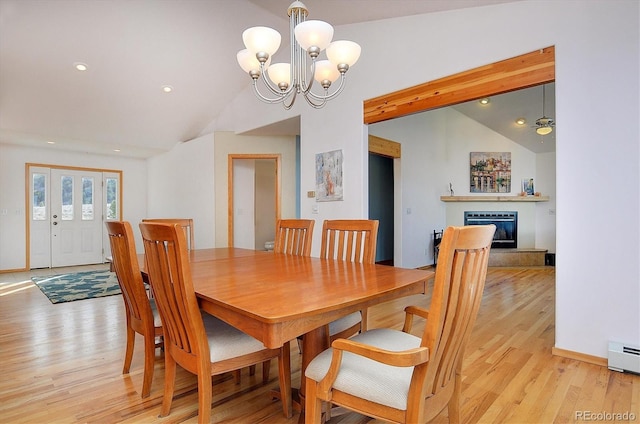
x=329, y=176
x=490, y=172
x=527, y=186
x=290, y=79
x=451, y=189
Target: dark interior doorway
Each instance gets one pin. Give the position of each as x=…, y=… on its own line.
x=381, y=204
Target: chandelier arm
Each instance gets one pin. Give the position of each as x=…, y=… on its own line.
x=281, y=96
x=303, y=83
x=332, y=95
x=310, y=98
x=290, y=105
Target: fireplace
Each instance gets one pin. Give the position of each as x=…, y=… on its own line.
x=506, y=223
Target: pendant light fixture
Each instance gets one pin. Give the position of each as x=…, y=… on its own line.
x=284, y=81
x=545, y=124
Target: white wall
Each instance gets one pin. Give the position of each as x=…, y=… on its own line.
x=244, y=179
x=13, y=229
x=181, y=186
x=265, y=203
x=545, y=181
x=597, y=166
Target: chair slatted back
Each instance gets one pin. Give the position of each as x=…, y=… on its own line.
x=457, y=293
x=352, y=240
x=185, y=223
x=293, y=236
x=125, y=264
x=167, y=264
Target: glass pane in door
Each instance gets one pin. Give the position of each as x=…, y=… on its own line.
x=87, y=199
x=112, y=198
x=66, y=195
x=39, y=212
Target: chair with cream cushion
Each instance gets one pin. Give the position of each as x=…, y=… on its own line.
x=352, y=240
x=141, y=312
x=293, y=236
x=198, y=342
x=398, y=377
x=185, y=223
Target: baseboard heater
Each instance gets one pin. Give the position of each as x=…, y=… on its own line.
x=624, y=357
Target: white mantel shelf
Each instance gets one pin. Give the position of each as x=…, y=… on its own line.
x=494, y=198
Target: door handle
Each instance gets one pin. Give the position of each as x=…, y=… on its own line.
x=55, y=223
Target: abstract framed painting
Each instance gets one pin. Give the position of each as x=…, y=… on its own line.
x=329, y=176
x=490, y=172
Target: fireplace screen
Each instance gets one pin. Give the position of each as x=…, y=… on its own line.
x=506, y=223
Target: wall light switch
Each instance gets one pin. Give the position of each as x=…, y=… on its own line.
x=314, y=209
x=311, y=194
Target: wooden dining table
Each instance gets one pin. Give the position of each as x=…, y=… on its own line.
x=276, y=297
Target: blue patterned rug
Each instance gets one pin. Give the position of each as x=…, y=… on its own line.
x=78, y=285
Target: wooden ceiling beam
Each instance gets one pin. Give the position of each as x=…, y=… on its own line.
x=519, y=72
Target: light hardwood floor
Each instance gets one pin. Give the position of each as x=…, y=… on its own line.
x=63, y=364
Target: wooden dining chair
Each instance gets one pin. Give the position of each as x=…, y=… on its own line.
x=141, y=312
x=395, y=376
x=185, y=223
x=293, y=236
x=195, y=340
x=352, y=240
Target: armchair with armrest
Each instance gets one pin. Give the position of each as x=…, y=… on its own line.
x=398, y=377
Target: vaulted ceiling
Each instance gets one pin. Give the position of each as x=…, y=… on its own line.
x=135, y=47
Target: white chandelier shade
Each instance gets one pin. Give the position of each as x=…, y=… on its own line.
x=261, y=39
x=280, y=74
x=284, y=81
x=326, y=71
x=313, y=34
x=343, y=51
x=248, y=61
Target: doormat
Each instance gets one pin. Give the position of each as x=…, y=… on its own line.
x=78, y=285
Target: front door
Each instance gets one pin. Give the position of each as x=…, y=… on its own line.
x=76, y=220
x=67, y=215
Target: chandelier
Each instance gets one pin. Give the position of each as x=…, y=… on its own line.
x=286, y=80
x=544, y=125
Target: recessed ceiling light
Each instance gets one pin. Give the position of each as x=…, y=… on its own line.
x=521, y=121
x=484, y=101
x=51, y=142
x=80, y=66
x=116, y=150
x=167, y=88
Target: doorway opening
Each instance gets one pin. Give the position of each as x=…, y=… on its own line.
x=383, y=154
x=254, y=199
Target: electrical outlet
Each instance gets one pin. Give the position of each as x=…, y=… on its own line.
x=314, y=209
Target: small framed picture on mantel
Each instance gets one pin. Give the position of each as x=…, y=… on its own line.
x=527, y=186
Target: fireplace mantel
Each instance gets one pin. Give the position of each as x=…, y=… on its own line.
x=494, y=198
